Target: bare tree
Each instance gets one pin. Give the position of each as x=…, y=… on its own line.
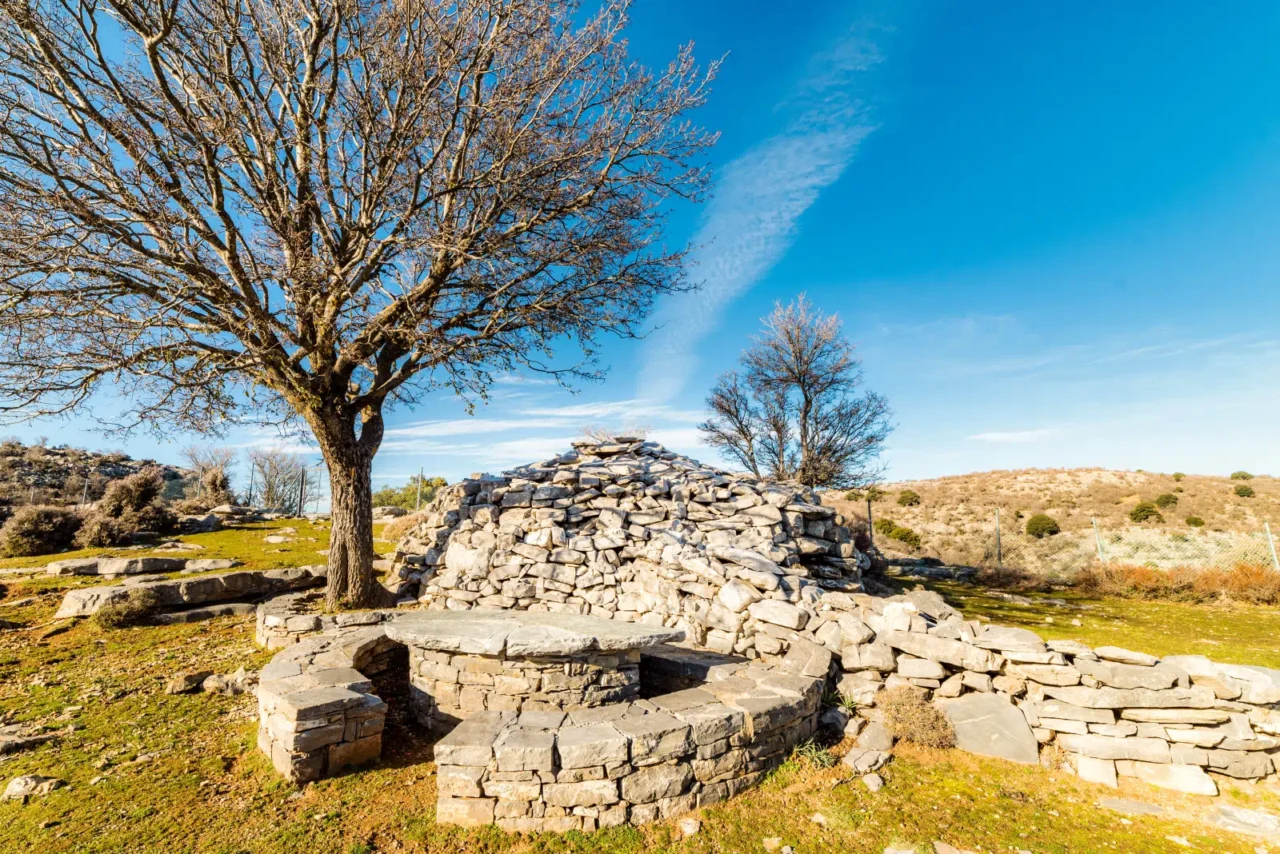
x=309, y=210
x=797, y=411
x=278, y=478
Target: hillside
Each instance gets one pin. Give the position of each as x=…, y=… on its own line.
x=955, y=517
x=60, y=475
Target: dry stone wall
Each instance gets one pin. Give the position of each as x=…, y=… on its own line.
x=1171, y=722
x=631, y=531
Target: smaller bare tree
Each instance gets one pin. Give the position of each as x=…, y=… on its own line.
x=277, y=478
x=797, y=410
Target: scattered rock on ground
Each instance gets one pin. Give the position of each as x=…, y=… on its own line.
x=689, y=826
x=187, y=683
x=30, y=786
x=874, y=782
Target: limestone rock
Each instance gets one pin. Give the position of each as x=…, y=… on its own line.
x=30, y=786
x=989, y=725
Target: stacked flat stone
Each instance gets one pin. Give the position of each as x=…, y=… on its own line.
x=291, y=617
x=177, y=593
x=463, y=663
x=316, y=710
x=1114, y=712
x=631, y=531
x=710, y=726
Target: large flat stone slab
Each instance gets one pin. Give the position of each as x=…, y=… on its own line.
x=989, y=725
x=523, y=633
x=176, y=593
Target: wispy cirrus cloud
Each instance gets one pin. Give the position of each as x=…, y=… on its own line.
x=1017, y=437
x=753, y=218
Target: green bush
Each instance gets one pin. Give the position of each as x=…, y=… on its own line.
x=1042, y=525
x=38, y=530
x=908, y=498
x=135, y=609
x=1195, y=521
x=1145, y=511
x=905, y=536
x=885, y=526
x=1178, y=489
x=1177, y=476
x=875, y=493
x=1166, y=500
x=406, y=497
x=1241, y=475
x=1244, y=491
x=853, y=495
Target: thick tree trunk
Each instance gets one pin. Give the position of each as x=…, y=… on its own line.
x=352, y=582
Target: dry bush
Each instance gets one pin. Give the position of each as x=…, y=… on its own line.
x=398, y=527
x=38, y=530
x=191, y=506
x=131, y=505
x=908, y=716
x=99, y=531
x=135, y=609
x=1242, y=583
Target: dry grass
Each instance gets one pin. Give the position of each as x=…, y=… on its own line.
x=138, y=607
x=1244, y=583
x=911, y=718
x=398, y=527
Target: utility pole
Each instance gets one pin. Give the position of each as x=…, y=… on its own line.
x=84, y=493
x=417, y=504
x=302, y=492
x=249, y=498
x=1097, y=539
x=1271, y=541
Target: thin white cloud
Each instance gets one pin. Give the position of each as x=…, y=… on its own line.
x=1017, y=437
x=760, y=197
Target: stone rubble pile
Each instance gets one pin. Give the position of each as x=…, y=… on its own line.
x=631, y=531
x=1112, y=711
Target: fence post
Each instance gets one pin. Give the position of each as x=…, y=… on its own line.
x=1272, y=543
x=302, y=492
x=248, y=499
x=1097, y=538
x=417, y=502
x=871, y=528
x=999, y=552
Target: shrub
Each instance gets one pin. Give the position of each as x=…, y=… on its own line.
x=1244, y=491
x=215, y=487
x=1145, y=511
x=908, y=716
x=132, y=505
x=1165, y=500
x=1177, y=476
x=1042, y=525
x=406, y=497
x=397, y=528
x=1178, y=489
x=853, y=495
x=131, y=493
x=1195, y=521
x=38, y=530
x=191, y=506
x=99, y=531
x=908, y=498
x=1244, y=583
x=1241, y=475
x=135, y=609
x=905, y=536
x=885, y=526
x=875, y=493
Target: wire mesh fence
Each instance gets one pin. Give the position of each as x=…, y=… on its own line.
x=999, y=545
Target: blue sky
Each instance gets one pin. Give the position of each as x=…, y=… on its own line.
x=1052, y=228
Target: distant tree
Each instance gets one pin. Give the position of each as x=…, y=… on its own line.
x=908, y=498
x=277, y=478
x=1165, y=500
x=1241, y=475
x=212, y=466
x=311, y=210
x=1244, y=491
x=1177, y=476
x=408, y=496
x=797, y=410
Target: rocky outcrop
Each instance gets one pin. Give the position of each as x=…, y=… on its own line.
x=631, y=531
x=178, y=593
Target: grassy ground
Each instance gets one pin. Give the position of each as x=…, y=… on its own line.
x=1230, y=633
x=149, y=772
x=245, y=543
